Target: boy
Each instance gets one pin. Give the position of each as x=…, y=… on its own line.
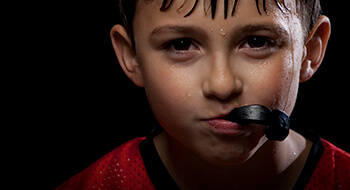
x=202, y=60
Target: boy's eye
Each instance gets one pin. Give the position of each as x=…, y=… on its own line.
x=259, y=46
x=181, y=44
x=257, y=42
x=181, y=49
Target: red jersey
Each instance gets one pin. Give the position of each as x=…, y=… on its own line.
x=125, y=168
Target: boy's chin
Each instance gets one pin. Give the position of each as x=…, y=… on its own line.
x=233, y=154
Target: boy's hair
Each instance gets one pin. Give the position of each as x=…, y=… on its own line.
x=308, y=11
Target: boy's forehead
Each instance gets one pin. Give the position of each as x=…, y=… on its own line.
x=228, y=7
x=199, y=13
x=150, y=19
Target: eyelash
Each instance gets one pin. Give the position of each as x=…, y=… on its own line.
x=178, y=42
x=183, y=48
x=261, y=50
x=181, y=53
x=258, y=39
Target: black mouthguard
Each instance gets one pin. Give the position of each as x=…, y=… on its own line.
x=277, y=121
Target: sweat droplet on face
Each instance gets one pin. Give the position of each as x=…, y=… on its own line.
x=222, y=32
x=187, y=96
x=173, y=67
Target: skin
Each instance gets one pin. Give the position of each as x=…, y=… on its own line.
x=218, y=67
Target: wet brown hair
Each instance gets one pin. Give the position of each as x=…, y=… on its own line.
x=308, y=10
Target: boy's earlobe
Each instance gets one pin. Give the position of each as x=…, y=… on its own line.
x=315, y=45
x=126, y=55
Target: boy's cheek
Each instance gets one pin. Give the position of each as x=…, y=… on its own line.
x=165, y=89
x=273, y=85
x=165, y=80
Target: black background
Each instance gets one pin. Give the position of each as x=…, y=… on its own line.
x=74, y=104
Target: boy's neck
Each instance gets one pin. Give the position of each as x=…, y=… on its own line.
x=276, y=165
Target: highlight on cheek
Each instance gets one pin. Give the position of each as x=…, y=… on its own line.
x=213, y=4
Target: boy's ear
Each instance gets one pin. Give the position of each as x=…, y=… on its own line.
x=315, y=48
x=126, y=55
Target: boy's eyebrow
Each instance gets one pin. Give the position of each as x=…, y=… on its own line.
x=178, y=29
x=246, y=29
x=273, y=28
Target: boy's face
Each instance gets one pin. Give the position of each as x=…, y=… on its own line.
x=196, y=70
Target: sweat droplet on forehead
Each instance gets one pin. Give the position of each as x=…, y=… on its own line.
x=222, y=32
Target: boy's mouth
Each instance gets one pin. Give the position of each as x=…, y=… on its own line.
x=277, y=121
x=226, y=127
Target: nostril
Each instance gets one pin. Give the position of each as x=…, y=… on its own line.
x=223, y=86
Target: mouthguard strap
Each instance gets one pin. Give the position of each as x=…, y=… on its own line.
x=277, y=121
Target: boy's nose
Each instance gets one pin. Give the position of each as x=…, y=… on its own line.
x=221, y=82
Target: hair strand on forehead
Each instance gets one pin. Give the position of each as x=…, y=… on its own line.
x=213, y=8
x=226, y=7
x=280, y=7
x=257, y=5
x=234, y=7
x=194, y=6
x=213, y=3
x=165, y=5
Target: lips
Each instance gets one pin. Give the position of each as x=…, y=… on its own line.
x=224, y=127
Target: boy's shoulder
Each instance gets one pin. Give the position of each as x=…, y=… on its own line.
x=333, y=169
x=122, y=167
x=337, y=158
